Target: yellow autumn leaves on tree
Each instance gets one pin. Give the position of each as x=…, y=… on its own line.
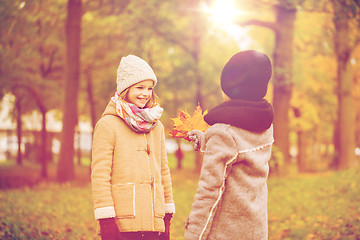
x=184, y=123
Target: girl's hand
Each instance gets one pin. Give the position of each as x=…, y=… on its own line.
x=197, y=137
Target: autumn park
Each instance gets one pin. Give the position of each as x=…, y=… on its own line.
x=58, y=71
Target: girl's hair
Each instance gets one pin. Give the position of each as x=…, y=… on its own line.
x=151, y=103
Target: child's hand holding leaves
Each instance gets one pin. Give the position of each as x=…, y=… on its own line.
x=190, y=128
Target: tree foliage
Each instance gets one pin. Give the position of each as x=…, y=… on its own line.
x=187, y=51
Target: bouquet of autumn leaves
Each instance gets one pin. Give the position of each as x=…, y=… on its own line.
x=185, y=123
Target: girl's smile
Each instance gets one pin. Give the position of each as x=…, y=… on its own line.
x=140, y=93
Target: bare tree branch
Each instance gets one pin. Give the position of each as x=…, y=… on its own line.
x=259, y=23
x=48, y=69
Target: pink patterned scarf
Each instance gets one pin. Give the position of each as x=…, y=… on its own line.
x=141, y=120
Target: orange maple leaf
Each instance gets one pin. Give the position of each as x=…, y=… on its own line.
x=184, y=123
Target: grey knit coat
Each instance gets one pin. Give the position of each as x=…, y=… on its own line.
x=231, y=199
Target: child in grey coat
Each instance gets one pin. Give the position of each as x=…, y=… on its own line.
x=231, y=199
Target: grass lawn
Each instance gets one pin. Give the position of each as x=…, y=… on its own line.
x=310, y=206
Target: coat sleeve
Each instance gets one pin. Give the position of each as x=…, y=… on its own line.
x=166, y=177
x=101, y=167
x=220, y=148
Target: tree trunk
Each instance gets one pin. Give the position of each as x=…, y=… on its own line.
x=283, y=58
x=179, y=154
x=18, y=131
x=43, y=152
x=196, y=49
x=346, y=116
x=78, y=150
x=195, y=55
x=65, y=171
x=90, y=93
x=199, y=101
x=336, y=141
x=301, y=158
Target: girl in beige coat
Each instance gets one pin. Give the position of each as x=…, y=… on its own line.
x=231, y=200
x=130, y=177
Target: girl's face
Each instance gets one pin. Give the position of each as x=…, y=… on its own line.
x=140, y=93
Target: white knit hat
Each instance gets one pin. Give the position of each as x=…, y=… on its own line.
x=132, y=70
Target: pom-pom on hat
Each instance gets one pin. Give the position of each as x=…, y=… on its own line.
x=132, y=70
x=246, y=75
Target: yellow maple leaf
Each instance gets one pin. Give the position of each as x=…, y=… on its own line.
x=184, y=123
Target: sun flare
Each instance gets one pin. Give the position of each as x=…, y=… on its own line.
x=222, y=12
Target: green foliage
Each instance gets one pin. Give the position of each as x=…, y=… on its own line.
x=181, y=43
x=31, y=46
x=164, y=34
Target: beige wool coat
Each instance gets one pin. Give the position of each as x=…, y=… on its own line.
x=130, y=175
x=231, y=199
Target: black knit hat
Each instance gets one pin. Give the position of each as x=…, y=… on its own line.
x=246, y=76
